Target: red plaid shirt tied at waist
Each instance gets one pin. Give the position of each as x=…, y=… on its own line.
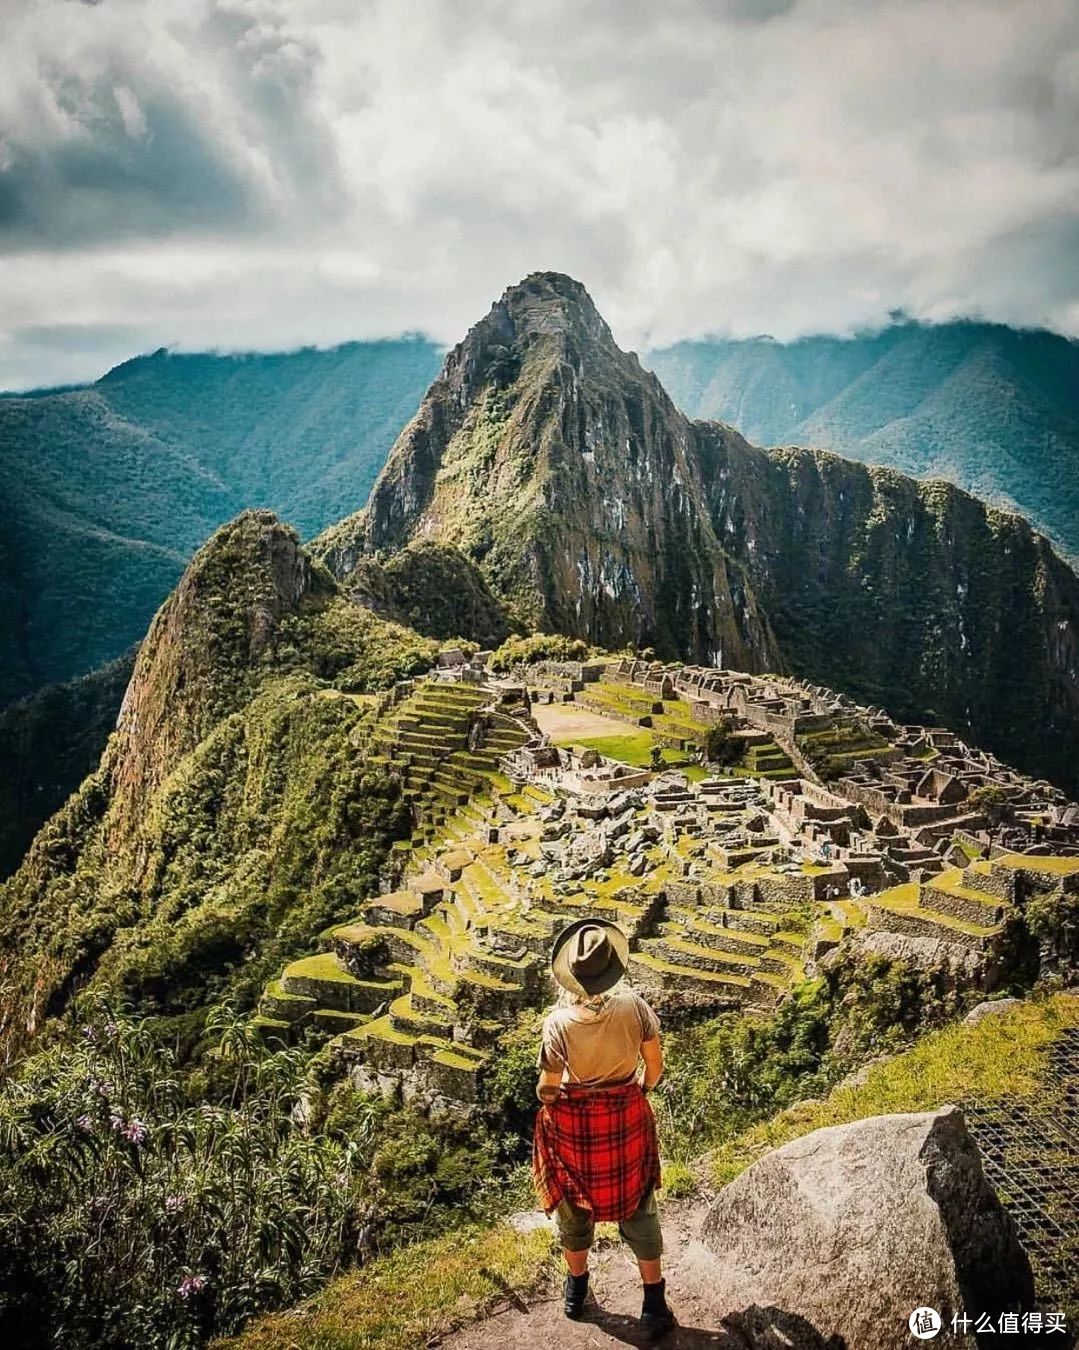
x=597, y=1148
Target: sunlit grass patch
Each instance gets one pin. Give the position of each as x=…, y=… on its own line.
x=1000, y=1056
x=631, y=747
x=678, y=1180
x=406, y=1298
x=635, y=749
x=1036, y=863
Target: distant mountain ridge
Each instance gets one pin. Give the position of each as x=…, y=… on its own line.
x=991, y=408
x=49, y=742
x=111, y=488
x=592, y=506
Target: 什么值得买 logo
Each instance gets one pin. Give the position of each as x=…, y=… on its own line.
x=924, y=1323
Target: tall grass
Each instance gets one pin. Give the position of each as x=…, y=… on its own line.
x=130, y=1216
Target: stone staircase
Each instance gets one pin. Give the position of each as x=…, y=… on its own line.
x=427, y=738
x=767, y=759
x=834, y=748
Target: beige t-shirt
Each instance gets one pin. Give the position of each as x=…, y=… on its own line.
x=598, y=1046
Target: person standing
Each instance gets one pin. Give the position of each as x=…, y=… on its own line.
x=595, y=1155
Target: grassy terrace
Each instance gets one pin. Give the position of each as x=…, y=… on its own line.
x=835, y=748
x=633, y=700
x=997, y=1057
x=648, y=963
x=635, y=749
x=1060, y=867
x=853, y=914
x=951, y=883
x=908, y=901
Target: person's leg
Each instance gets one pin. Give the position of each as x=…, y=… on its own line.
x=651, y=1271
x=642, y=1233
x=575, y=1232
x=577, y=1262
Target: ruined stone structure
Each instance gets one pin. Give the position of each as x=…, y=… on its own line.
x=729, y=884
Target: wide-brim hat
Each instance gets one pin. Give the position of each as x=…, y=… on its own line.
x=590, y=956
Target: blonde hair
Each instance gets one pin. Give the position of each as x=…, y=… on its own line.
x=568, y=999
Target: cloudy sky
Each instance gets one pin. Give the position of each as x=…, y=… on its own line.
x=265, y=173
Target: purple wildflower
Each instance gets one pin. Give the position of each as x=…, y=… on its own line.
x=85, y=1124
x=191, y=1284
x=135, y=1132
x=173, y=1203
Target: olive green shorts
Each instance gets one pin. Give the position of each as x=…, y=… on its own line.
x=640, y=1231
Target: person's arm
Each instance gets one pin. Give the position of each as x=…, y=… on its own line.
x=551, y=1062
x=652, y=1054
x=548, y=1085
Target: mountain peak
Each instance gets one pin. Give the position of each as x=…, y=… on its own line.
x=552, y=302
x=204, y=640
x=546, y=317
x=560, y=467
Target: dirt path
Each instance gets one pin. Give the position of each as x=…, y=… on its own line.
x=611, y=1316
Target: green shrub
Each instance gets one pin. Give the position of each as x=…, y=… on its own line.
x=1053, y=919
x=524, y=651
x=510, y=1087
x=721, y=746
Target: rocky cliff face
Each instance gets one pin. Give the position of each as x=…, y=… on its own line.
x=908, y=593
x=548, y=456
x=991, y=408
x=593, y=507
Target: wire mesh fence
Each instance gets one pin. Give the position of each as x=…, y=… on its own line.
x=1030, y=1151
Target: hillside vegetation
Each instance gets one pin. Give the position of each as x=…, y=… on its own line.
x=991, y=408
x=231, y=814
x=110, y=489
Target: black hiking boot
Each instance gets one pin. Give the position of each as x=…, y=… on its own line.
x=575, y=1292
x=656, y=1317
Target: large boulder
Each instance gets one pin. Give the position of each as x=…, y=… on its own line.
x=837, y=1237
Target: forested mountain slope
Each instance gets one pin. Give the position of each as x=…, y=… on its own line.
x=49, y=742
x=594, y=507
x=991, y=408
x=109, y=489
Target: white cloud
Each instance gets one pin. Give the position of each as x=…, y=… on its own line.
x=259, y=173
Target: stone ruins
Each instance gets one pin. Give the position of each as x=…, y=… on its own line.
x=814, y=819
